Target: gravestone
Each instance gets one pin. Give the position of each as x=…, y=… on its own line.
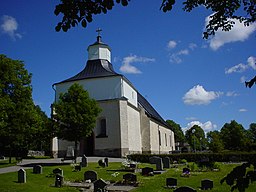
x=129, y=177
x=58, y=171
x=37, y=169
x=147, y=170
x=106, y=161
x=171, y=182
x=166, y=162
x=206, y=184
x=101, y=163
x=22, y=178
x=99, y=185
x=92, y=175
x=132, y=165
x=78, y=167
x=185, y=189
x=158, y=161
x=58, y=180
x=84, y=161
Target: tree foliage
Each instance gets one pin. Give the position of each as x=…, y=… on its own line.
x=178, y=133
x=215, y=143
x=195, y=136
x=233, y=136
x=19, y=119
x=75, y=114
x=223, y=12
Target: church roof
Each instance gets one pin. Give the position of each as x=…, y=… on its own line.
x=150, y=111
x=93, y=69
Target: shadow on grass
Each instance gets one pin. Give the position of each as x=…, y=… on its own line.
x=45, y=164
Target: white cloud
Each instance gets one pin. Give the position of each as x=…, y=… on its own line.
x=199, y=96
x=242, y=79
x=176, y=57
x=242, y=110
x=207, y=126
x=231, y=94
x=171, y=44
x=192, y=46
x=239, y=32
x=191, y=118
x=9, y=26
x=239, y=68
x=127, y=61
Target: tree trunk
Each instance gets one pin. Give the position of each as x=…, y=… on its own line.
x=10, y=155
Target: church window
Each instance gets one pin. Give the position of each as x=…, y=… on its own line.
x=159, y=134
x=102, y=128
x=165, y=139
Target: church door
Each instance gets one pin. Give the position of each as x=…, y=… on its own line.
x=88, y=145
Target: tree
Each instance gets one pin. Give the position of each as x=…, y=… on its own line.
x=196, y=138
x=252, y=130
x=178, y=133
x=75, y=115
x=233, y=136
x=214, y=141
x=17, y=114
x=223, y=12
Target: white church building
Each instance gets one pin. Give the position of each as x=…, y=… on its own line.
x=127, y=124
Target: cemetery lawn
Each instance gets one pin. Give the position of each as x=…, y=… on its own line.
x=45, y=182
x=5, y=163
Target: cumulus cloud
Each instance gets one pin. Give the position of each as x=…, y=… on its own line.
x=199, y=96
x=242, y=110
x=207, y=126
x=171, y=44
x=176, y=57
x=9, y=26
x=127, y=66
x=239, y=32
x=231, y=94
x=241, y=67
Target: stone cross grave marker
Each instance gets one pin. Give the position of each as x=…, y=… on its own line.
x=37, y=169
x=92, y=175
x=99, y=185
x=22, y=178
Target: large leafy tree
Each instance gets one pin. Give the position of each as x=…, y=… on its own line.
x=215, y=143
x=18, y=117
x=233, y=136
x=178, y=133
x=75, y=115
x=196, y=138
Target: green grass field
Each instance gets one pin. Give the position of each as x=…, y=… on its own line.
x=44, y=182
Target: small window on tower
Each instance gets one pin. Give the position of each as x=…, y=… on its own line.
x=102, y=128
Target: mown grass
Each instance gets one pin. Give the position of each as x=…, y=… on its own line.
x=45, y=182
x=5, y=163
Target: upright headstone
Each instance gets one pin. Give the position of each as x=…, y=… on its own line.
x=171, y=182
x=158, y=161
x=22, y=178
x=129, y=177
x=147, y=170
x=185, y=189
x=106, y=161
x=58, y=171
x=58, y=180
x=90, y=175
x=166, y=162
x=99, y=185
x=206, y=184
x=84, y=161
x=38, y=169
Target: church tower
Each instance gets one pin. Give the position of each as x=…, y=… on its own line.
x=99, y=50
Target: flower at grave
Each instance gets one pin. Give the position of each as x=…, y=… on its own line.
x=115, y=174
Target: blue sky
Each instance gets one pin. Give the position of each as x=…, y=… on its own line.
x=186, y=78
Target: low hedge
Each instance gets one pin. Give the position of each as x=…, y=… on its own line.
x=195, y=157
